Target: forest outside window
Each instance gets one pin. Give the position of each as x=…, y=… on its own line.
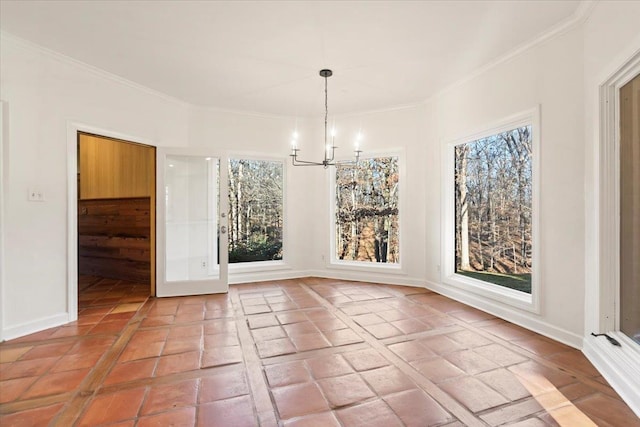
x=491, y=208
x=255, y=210
x=366, y=226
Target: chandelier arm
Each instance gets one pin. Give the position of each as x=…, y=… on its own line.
x=297, y=162
x=333, y=153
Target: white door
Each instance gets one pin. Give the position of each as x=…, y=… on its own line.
x=192, y=206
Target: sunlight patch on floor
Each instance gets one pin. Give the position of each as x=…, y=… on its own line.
x=552, y=400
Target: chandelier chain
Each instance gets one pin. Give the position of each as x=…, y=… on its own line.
x=326, y=115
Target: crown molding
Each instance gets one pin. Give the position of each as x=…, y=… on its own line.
x=579, y=17
x=99, y=72
x=584, y=9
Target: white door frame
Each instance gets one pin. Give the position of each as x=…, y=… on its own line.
x=2, y=205
x=619, y=365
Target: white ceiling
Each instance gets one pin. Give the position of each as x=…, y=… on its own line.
x=264, y=56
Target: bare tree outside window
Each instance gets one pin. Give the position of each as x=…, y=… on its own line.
x=367, y=211
x=493, y=200
x=255, y=210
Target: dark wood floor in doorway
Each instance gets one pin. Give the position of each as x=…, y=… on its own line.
x=308, y=352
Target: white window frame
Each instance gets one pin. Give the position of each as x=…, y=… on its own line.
x=377, y=267
x=271, y=265
x=522, y=300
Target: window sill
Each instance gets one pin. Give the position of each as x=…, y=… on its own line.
x=257, y=266
x=377, y=267
x=499, y=293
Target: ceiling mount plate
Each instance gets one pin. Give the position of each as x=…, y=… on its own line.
x=326, y=73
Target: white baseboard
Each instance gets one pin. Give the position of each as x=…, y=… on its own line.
x=37, y=325
x=360, y=276
x=620, y=366
x=265, y=276
x=525, y=319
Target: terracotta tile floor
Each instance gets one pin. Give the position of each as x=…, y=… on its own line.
x=307, y=352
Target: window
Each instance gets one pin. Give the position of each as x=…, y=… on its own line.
x=490, y=211
x=255, y=210
x=493, y=209
x=366, y=228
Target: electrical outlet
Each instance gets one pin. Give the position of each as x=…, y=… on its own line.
x=203, y=264
x=35, y=195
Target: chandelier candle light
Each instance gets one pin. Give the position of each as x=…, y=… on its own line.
x=329, y=148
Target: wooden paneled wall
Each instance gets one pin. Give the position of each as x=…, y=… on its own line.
x=115, y=169
x=116, y=209
x=114, y=238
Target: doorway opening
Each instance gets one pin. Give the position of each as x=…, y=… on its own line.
x=610, y=295
x=116, y=225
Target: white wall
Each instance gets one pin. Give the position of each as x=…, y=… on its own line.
x=549, y=75
x=42, y=94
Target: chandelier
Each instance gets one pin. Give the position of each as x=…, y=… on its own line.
x=329, y=147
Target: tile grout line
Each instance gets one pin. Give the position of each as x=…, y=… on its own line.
x=95, y=378
x=576, y=375
x=260, y=392
x=524, y=352
x=448, y=402
x=168, y=379
x=459, y=323
x=285, y=358
x=36, y=402
x=579, y=376
x=601, y=388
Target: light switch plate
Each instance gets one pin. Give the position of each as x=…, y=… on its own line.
x=35, y=195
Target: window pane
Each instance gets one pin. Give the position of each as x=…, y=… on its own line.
x=191, y=194
x=493, y=199
x=367, y=211
x=255, y=210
